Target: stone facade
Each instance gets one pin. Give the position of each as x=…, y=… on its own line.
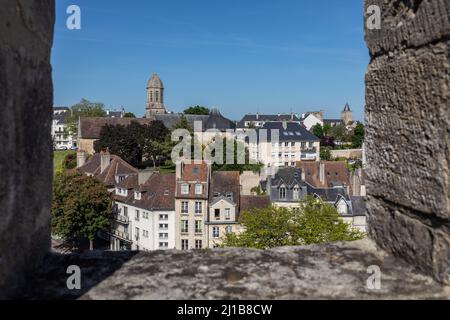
x=155, y=97
x=26, y=92
x=408, y=126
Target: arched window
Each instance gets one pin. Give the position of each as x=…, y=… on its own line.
x=157, y=96
x=151, y=96
x=283, y=192
x=296, y=193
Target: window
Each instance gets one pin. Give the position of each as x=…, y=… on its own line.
x=137, y=233
x=198, y=226
x=229, y=195
x=184, y=245
x=198, y=207
x=296, y=193
x=136, y=216
x=164, y=236
x=185, y=189
x=228, y=213
x=216, y=232
x=217, y=214
x=282, y=193
x=125, y=211
x=198, y=189
x=137, y=195
x=198, y=244
x=184, y=207
x=229, y=229
x=163, y=217
x=145, y=215
x=163, y=226
x=184, y=226
x=145, y=233
x=163, y=245
x=157, y=96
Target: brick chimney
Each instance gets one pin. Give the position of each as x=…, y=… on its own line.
x=322, y=172
x=81, y=158
x=105, y=160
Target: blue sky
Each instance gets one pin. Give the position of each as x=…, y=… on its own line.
x=243, y=56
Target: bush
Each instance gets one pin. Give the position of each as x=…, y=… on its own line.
x=70, y=161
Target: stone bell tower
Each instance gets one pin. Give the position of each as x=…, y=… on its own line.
x=155, y=97
x=347, y=115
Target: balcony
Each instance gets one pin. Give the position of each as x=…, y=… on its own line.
x=121, y=234
x=121, y=218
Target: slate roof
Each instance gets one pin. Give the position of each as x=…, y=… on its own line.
x=59, y=118
x=292, y=132
x=171, y=119
x=358, y=205
x=290, y=176
x=89, y=128
x=155, y=82
x=217, y=121
x=267, y=118
x=332, y=121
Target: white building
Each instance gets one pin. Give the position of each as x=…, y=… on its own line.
x=282, y=144
x=144, y=215
x=62, y=139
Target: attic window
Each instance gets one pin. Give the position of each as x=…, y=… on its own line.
x=195, y=170
x=216, y=194
x=184, y=189
x=166, y=193
x=229, y=195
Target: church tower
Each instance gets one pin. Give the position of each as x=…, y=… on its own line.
x=347, y=115
x=155, y=97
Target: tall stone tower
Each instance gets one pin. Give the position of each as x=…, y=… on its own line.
x=155, y=97
x=347, y=115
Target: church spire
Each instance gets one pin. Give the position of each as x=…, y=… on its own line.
x=155, y=97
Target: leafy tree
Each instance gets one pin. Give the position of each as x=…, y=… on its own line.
x=358, y=136
x=81, y=207
x=325, y=154
x=317, y=130
x=84, y=108
x=315, y=223
x=184, y=124
x=129, y=115
x=257, y=190
x=197, y=110
x=70, y=161
x=326, y=129
x=339, y=133
x=134, y=142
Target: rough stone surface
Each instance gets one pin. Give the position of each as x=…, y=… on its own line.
x=26, y=34
x=408, y=130
x=334, y=271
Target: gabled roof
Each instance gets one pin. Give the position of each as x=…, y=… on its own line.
x=157, y=193
x=117, y=167
x=217, y=121
x=290, y=176
x=89, y=128
x=224, y=183
x=358, y=205
x=170, y=120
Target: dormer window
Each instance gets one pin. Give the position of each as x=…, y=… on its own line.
x=229, y=195
x=185, y=188
x=137, y=195
x=296, y=193
x=198, y=189
x=283, y=193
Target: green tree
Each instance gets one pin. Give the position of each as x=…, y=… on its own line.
x=129, y=115
x=315, y=223
x=317, y=130
x=70, y=161
x=84, y=108
x=197, y=110
x=81, y=207
x=358, y=136
x=325, y=154
x=339, y=133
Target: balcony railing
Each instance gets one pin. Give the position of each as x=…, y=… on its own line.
x=122, y=218
x=121, y=234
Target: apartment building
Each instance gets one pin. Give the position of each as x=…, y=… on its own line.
x=285, y=144
x=144, y=214
x=191, y=204
x=62, y=139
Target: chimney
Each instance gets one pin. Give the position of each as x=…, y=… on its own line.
x=81, y=158
x=257, y=116
x=105, y=160
x=303, y=175
x=179, y=169
x=285, y=125
x=322, y=172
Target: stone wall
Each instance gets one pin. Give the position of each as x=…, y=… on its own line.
x=26, y=95
x=408, y=129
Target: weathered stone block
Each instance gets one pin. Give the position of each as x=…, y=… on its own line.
x=408, y=132
x=26, y=94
